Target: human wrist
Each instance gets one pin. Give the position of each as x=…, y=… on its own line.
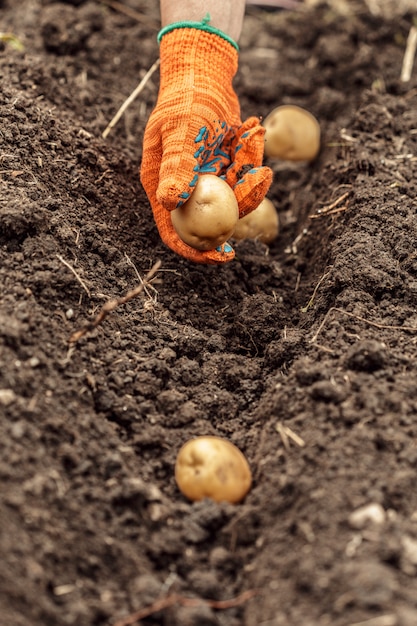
x=226, y=15
x=204, y=25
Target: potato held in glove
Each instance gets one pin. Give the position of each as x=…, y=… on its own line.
x=209, y=216
x=291, y=134
x=261, y=224
x=212, y=467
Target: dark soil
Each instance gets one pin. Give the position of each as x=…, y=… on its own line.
x=315, y=337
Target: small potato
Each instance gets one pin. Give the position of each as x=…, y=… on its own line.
x=209, y=216
x=261, y=224
x=212, y=467
x=291, y=134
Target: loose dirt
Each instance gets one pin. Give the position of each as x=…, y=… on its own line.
x=302, y=354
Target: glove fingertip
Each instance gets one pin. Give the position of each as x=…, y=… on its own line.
x=252, y=188
x=172, y=193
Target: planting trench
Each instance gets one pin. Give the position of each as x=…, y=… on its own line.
x=302, y=354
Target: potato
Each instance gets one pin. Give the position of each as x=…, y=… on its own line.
x=291, y=134
x=261, y=224
x=209, y=216
x=212, y=467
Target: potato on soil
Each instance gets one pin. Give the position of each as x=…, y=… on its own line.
x=209, y=216
x=291, y=134
x=261, y=224
x=212, y=467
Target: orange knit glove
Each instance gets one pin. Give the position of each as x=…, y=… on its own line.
x=195, y=129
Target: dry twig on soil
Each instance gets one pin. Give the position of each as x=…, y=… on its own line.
x=409, y=55
x=82, y=283
x=111, y=305
x=292, y=248
x=131, y=98
x=278, y=4
x=330, y=209
x=309, y=304
x=170, y=600
x=139, y=17
x=382, y=620
x=287, y=434
x=361, y=319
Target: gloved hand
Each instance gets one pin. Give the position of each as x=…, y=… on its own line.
x=195, y=129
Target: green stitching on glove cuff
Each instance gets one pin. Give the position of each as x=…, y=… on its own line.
x=203, y=25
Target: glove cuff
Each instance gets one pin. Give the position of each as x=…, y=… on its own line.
x=196, y=60
x=203, y=25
